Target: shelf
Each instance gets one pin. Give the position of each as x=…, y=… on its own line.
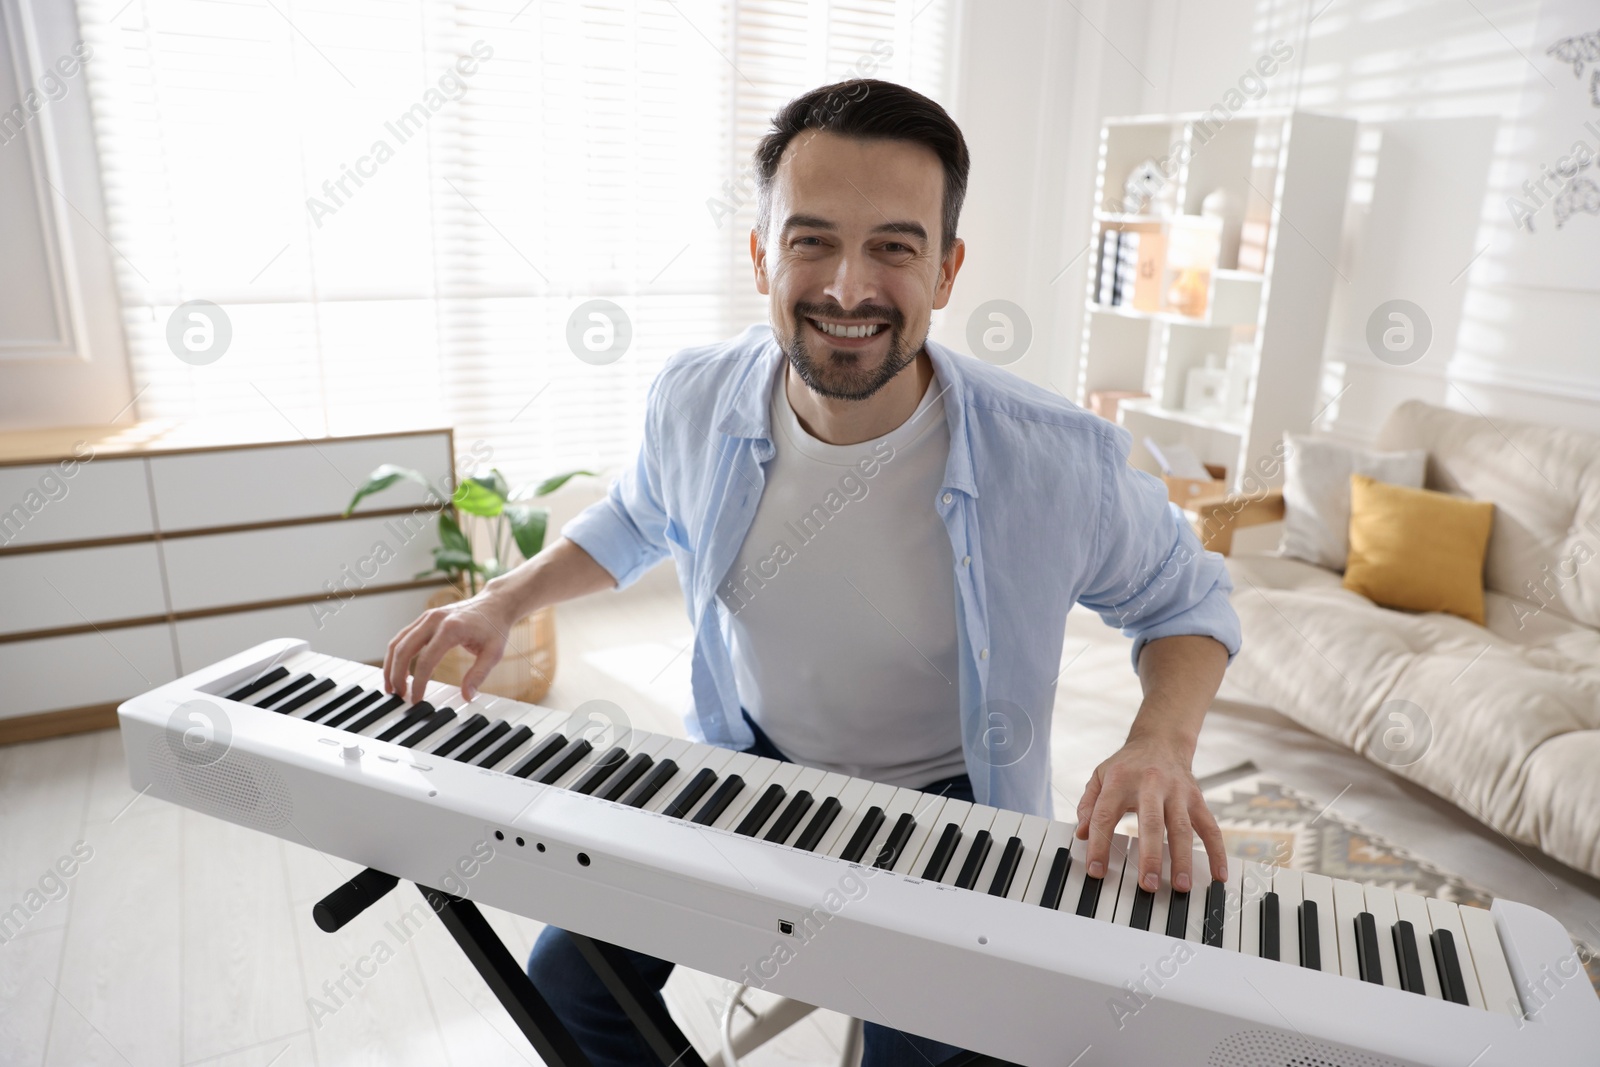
x=1151, y=408
x=1201, y=221
x=1171, y=317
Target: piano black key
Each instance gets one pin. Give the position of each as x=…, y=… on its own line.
x=943, y=852
x=287, y=689
x=1367, y=948
x=506, y=747
x=1216, y=913
x=565, y=760
x=1407, y=959
x=1178, y=915
x=1055, y=882
x=811, y=836
x=1451, y=984
x=535, y=759
x=323, y=710
x=1143, y=902
x=304, y=697
x=637, y=764
x=252, y=688
x=470, y=726
x=415, y=714
x=595, y=776
x=975, y=857
x=651, y=784
x=784, y=825
x=376, y=715
x=760, y=811
x=731, y=787
x=690, y=794
x=1310, y=937
x=1010, y=856
x=1269, y=928
x=865, y=832
x=895, y=843
x=1089, y=898
x=481, y=742
x=355, y=709
x=437, y=721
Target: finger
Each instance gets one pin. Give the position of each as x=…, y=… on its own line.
x=1150, y=827
x=392, y=664
x=1180, y=839
x=444, y=639
x=1091, y=793
x=1102, y=822
x=406, y=650
x=1210, y=836
x=480, y=669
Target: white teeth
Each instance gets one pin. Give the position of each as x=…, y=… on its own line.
x=847, y=331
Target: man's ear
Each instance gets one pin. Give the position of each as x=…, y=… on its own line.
x=758, y=260
x=948, y=268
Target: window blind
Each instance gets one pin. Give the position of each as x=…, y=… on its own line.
x=398, y=205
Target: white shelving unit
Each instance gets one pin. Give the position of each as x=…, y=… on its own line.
x=1286, y=178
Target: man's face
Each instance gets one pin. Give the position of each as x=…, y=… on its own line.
x=853, y=245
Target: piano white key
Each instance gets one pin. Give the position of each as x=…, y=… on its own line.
x=1349, y=900
x=877, y=795
x=782, y=776
x=1056, y=835
x=1380, y=902
x=1446, y=915
x=1489, y=960
x=1318, y=888
x=954, y=811
x=1200, y=878
x=1031, y=831
x=1120, y=866
x=756, y=773
x=931, y=813
x=1286, y=883
x=1414, y=910
x=978, y=817
x=690, y=762
x=1161, y=901
x=1005, y=825
x=1231, y=912
x=1256, y=883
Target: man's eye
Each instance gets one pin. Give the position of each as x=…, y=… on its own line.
x=897, y=247
x=803, y=240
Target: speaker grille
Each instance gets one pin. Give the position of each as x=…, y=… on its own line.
x=237, y=787
x=1265, y=1048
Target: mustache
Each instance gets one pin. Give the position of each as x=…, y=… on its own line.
x=862, y=313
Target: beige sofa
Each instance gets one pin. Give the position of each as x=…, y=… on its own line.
x=1513, y=708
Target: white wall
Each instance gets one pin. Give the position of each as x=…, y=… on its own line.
x=1437, y=85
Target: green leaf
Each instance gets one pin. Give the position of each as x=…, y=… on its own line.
x=550, y=485
x=451, y=537
x=477, y=496
x=528, y=525
x=382, y=478
x=452, y=560
x=498, y=483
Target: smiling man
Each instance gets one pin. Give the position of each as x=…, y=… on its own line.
x=879, y=539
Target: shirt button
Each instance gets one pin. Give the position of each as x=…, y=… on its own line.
x=984, y=654
x=966, y=561
x=947, y=498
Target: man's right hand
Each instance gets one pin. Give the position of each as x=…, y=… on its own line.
x=480, y=624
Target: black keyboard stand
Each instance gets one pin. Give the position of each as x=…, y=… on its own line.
x=522, y=1000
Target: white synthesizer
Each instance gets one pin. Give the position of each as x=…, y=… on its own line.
x=965, y=923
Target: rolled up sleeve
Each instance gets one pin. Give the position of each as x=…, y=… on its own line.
x=626, y=532
x=1149, y=577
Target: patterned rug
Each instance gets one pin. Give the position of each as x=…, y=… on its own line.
x=1267, y=821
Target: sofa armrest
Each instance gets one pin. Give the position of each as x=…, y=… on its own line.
x=1217, y=517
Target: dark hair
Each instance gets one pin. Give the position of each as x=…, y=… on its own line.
x=868, y=108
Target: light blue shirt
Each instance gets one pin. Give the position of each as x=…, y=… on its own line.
x=1041, y=507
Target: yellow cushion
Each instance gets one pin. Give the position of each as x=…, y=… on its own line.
x=1416, y=549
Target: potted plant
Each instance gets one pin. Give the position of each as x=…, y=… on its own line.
x=505, y=521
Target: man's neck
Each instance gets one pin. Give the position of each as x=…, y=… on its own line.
x=849, y=422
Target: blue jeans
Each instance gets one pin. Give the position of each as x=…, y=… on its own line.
x=587, y=1009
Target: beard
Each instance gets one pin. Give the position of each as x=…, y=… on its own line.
x=839, y=374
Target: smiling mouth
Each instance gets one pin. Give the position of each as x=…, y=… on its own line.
x=860, y=330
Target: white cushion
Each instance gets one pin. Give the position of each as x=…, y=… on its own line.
x=1316, y=493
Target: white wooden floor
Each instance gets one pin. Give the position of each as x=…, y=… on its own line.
x=183, y=940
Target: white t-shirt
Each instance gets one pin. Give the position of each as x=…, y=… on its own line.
x=842, y=602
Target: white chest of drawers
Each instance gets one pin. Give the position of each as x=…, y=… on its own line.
x=131, y=555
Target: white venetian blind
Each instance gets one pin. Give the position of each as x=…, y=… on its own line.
x=594, y=151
